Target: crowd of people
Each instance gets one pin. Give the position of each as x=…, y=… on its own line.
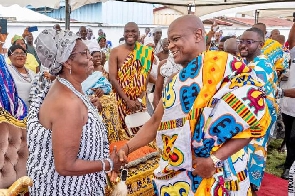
x=213, y=103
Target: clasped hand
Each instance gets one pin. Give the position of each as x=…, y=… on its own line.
x=134, y=105
x=117, y=164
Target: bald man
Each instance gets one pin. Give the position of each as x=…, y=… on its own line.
x=231, y=46
x=130, y=65
x=273, y=50
x=202, y=123
x=274, y=33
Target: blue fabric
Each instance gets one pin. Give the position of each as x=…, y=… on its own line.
x=264, y=70
x=96, y=80
x=9, y=98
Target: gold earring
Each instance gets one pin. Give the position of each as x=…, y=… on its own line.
x=70, y=71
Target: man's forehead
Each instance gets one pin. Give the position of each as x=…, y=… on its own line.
x=131, y=26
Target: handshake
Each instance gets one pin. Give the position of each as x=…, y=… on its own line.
x=119, y=159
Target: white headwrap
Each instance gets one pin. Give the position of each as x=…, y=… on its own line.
x=93, y=47
x=55, y=49
x=149, y=40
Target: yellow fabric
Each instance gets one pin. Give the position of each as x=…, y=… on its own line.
x=31, y=62
x=270, y=49
x=7, y=117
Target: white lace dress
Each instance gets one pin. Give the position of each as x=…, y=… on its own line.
x=40, y=166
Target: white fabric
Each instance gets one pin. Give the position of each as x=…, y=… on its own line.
x=169, y=68
x=153, y=73
x=53, y=49
x=158, y=47
x=23, y=87
x=288, y=104
x=41, y=169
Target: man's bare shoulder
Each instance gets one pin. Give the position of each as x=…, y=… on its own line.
x=120, y=47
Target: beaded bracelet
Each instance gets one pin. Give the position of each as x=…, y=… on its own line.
x=111, y=165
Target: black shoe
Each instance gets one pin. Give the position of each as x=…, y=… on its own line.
x=285, y=174
x=281, y=166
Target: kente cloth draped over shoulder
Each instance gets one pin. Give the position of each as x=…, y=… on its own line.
x=9, y=99
x=257, y=149
x=212, y=100
x=133, y=78
x=274, y=52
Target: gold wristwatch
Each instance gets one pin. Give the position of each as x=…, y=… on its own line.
x=217, y=162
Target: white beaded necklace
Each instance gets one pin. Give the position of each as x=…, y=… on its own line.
x=26, y=78
x=84, y=98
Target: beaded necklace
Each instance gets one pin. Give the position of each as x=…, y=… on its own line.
x=84, y=98
x=26, y=77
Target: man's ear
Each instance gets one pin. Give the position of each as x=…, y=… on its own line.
x=198, y=35
x=261, y=44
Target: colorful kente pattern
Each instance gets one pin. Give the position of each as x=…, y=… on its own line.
x=274, y=52
x=258, y=146
x=133, y=77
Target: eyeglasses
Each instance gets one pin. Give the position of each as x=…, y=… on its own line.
x=246, y=41
x=85, y=52
x=23, y=54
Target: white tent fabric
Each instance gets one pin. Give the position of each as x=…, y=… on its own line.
x=281, y=10
x=75, y=4
x=23, y=14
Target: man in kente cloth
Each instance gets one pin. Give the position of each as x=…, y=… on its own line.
x=130, y=65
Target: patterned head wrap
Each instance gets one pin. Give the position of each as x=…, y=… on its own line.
x=101, y=37
x=54, y=49
x=15, y=38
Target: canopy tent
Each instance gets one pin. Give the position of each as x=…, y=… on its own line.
x=270, y=10
x=17, y=13
x=198, y=7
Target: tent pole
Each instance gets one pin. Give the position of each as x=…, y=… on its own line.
x=68, y=14
x=256, y=16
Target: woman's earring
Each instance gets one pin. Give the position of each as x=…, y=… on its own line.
x=70, y=71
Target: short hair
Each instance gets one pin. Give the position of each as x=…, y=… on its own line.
x=260, y=23
x=258, y=31
x=14, y=48
x=223, y=39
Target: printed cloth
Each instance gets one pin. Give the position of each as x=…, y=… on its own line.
x=9, y=98
x=133, y=79
x=257, y=149
x=54, y=48
x=96, y=80
x=213, y=99
x=274, y=52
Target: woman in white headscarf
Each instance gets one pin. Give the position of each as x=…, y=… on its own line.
x=68, y=146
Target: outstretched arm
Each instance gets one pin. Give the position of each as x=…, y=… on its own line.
x=145, y=135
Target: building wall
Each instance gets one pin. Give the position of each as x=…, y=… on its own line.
x=110, y=12
x=166, y=16
x=117, y=12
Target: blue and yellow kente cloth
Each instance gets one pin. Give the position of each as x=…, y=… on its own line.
x=258, y=147
x=274, y=52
